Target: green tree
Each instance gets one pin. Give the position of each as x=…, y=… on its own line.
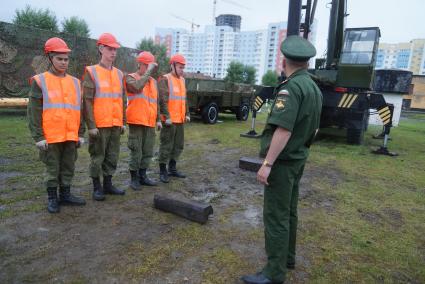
x=38, y=18
x=249, y=73
x=160, y=53
x=270, y=78
x=235, y=72
x=76, y=26
x=239, y=73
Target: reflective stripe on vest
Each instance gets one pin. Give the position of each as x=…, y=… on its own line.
x=176, y=102
x=60, y=117
x=142, y=108
x=108, y=99
x=47, y=104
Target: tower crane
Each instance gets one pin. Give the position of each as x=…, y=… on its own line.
x=193, y=25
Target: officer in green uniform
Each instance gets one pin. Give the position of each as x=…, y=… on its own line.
x=290, y=129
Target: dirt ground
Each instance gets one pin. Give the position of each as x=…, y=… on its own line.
x=126, y=240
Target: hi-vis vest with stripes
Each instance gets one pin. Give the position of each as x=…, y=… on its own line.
x=108, y=107
x=176, y=99
x=61, y=106
x=142, y=107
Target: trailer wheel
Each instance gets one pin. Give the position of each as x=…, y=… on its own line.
x=243, y=112
x=355, y=136
x=210, y=113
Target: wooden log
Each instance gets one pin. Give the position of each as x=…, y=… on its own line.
x=13, y=102
x=191, y=210
x=250, y=164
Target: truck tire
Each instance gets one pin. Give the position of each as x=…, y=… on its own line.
x=355, y=136
x=242, y=112
x=210, y=113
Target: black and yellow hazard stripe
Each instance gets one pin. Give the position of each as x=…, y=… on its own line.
x=347, y=100
x=385, y=115
x=258, y=103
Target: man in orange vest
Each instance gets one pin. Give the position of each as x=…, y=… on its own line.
x=174, y=113
x=55, y=123
x=142, y=117
x=104, y=105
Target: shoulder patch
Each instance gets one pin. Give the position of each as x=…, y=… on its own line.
x=283, y=92
x=280, y=104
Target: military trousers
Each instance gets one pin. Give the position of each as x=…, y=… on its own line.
x=141, y=140
x=280, y=216
x=104, y=150
x=59, y=159
x=171, y=142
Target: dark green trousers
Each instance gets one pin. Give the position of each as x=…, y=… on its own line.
x=104, y=151
x=280, y=216
x=59, y=159
x=141, y=140
x=171, y=142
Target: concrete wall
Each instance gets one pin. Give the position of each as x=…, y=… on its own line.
x=22, y=56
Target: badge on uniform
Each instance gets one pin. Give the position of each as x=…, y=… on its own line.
x=280, y=103
x=283, y=92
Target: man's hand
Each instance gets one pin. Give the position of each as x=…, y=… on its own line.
x=123, y=129
x=168, y=122
x=42, y=145
x=80, y=142
x=263, y=174
x=187, y=118
x=93, y=132
x=152, y=66
x=158, y=125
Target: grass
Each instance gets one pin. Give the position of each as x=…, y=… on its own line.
x=363, y=221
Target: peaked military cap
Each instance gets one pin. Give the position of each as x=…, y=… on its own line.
x=297, y=48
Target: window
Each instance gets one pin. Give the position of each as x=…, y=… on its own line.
x=358, y=47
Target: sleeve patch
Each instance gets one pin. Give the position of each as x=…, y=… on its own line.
x=283, y=92
x=280, y=104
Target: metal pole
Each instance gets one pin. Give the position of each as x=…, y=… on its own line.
x=294, y=17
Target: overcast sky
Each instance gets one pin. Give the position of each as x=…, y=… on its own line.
x=131, y=20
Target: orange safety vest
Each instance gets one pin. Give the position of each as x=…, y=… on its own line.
x=61, y=106
x=142, y=107
x=176, y=99
x=108, y=107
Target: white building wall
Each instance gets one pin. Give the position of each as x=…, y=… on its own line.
x=396, y=100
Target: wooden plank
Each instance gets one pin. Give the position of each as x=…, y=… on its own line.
x=250, y=164
x=191, y=210
x=13, y=102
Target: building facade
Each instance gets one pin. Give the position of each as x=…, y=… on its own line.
x=406, y=56
x=210, y=52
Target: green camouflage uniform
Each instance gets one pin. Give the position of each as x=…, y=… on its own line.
x=105, y=148
x=141, y=138
x=59, y=158
x=171, y=137
x=296, y=108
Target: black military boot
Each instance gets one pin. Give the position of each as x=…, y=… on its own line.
x=144, y=178
x=52, y=205
x=98, y=193
x=109, y=188
x=163, y=174
x=66, y=198
x=134, y=182
x=172, y=170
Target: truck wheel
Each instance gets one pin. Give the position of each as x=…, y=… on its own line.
x=243, y=112
x=355, y=136
x=210, y=113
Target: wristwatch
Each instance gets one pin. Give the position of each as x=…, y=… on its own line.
x=267, y=164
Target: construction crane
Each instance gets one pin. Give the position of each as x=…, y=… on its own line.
x=227, y=1
x=193, y=25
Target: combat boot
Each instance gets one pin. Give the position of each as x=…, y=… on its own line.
x=109, y=188
x=172, y=170
x=52, y=205
x=66, y=198
x=163, y=174
x=144, y=178
x=98, y=193
x=134, y=182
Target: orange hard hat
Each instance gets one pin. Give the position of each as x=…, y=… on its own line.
x=56, y=44
x=178, y=58
x=145, y=57
x=109, y=40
